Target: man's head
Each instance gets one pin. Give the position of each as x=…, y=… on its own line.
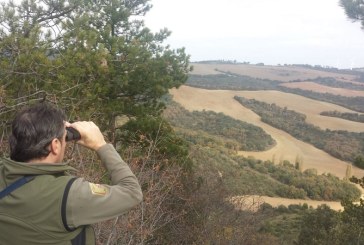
x=37, y=131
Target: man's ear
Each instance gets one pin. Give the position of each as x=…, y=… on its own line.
x=55, y=147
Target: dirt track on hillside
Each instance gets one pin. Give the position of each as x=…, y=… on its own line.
x=287, y=147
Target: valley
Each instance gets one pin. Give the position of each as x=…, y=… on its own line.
x=287, y=147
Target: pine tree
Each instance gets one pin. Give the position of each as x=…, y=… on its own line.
x=354, y=9
x=95, y=59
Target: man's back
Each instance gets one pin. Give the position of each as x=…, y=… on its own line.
x=34, y=213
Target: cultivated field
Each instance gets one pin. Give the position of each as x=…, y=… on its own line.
x=279, y=73
x=311, y=108
x=287, y=148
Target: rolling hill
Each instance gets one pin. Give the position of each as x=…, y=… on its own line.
x=265, y=83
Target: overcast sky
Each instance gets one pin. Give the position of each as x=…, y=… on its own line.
x=315, y=32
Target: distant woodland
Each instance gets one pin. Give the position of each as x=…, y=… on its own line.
x=332, y=82
x=355, y=117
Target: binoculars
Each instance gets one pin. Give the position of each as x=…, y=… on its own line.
x=72, y=134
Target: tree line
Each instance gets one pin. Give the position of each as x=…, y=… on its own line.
x=334, y=83
x=355, y=117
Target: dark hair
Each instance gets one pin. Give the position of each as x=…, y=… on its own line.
x=33, y=129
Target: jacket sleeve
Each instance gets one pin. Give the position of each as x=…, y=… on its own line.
x=90, y=203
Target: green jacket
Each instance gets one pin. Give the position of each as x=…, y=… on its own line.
x=56, y=208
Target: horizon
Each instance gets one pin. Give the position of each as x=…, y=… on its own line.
x=232, y=62
x=279, y=32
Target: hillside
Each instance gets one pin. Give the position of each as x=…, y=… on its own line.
x=265, y=84
x=244, y=175
x=287, y=147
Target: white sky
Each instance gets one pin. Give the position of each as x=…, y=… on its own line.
x=315, y=32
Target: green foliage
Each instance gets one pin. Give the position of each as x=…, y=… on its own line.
x=325, y=226
x=352, y=222
x=355, y=117
x=97, y=60
x=332, y=82
x=354, y=10
x=215, y=220
x=150, y=131
x=299, y=224
x=284, y=223
x=302, y=185
x=319, y=227
x=359, y=161
x=230, y=81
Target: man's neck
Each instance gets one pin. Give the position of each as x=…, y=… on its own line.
x=43, y=160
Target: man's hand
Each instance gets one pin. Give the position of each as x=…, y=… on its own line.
x=91, y=136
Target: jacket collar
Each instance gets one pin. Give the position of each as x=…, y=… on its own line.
x=12, y=169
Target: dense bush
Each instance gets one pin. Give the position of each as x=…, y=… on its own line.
x=303, y=184
x=359, y=161
x=325, y=226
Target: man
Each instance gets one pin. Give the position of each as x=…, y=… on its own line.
x=51, y=206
